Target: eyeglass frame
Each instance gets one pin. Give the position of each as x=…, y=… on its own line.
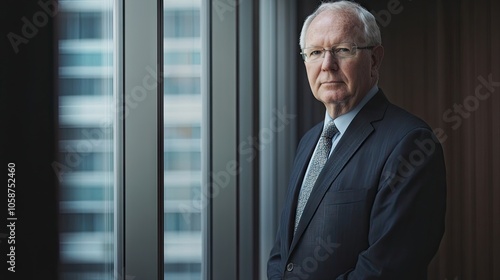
x=332, y=49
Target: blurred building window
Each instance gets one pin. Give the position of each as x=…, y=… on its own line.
x=183, y=141
x=182, y=85
x=182, y=21
x=86, y=143
x=86, y=117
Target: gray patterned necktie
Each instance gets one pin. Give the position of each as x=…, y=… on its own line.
x=318, y=160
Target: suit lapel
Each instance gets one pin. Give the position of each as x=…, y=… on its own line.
x=359, y=129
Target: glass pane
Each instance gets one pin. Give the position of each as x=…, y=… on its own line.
x=182, y=132
x=86, y=141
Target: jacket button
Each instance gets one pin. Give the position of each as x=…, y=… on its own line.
x=289, y=267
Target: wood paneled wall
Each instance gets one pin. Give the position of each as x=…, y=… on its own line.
x=442, y=63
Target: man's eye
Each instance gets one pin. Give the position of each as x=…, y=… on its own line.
x=342, y=50
x=315, y=53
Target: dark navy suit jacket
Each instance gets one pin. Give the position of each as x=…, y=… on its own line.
x=377, y=209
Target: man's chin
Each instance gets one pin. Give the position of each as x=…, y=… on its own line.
x=335, y=98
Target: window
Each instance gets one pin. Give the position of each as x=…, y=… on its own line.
x=182, y=21
x=158, y=181
x=82, y=85
x=182, y=58
x=183, y=140
x=77, y=24
x=86, y=142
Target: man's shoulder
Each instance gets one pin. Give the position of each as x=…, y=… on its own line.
x=389, y=120
x=381, y=110
x=394, y=114
x=398, y=117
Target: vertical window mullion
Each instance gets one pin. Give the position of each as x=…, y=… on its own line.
x=142, y=240
x=206, y=82
x=118, y=32
x=248, y=158
x=223, y=172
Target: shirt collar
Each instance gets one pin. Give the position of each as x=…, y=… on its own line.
x=343, y=121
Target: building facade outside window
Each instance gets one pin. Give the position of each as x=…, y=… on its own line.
x=87, y=145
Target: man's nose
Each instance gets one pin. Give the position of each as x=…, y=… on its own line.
x=330, y=62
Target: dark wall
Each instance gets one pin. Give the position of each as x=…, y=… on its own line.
x=28, y=108
x=442, y=63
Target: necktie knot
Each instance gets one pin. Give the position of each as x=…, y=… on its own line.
x=330, y=130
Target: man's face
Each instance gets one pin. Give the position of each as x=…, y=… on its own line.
x=340, y=83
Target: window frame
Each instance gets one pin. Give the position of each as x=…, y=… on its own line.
x=243, y=91
x=141, y=102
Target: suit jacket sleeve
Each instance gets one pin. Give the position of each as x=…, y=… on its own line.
x=407, y=217
x=273, y=264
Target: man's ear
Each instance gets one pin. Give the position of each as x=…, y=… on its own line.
x=377, y=56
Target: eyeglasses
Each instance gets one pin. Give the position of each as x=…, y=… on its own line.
x=345, y=50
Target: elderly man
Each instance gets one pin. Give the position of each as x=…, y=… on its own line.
x=367, y=193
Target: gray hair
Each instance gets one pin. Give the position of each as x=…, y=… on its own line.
x=371, y=29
